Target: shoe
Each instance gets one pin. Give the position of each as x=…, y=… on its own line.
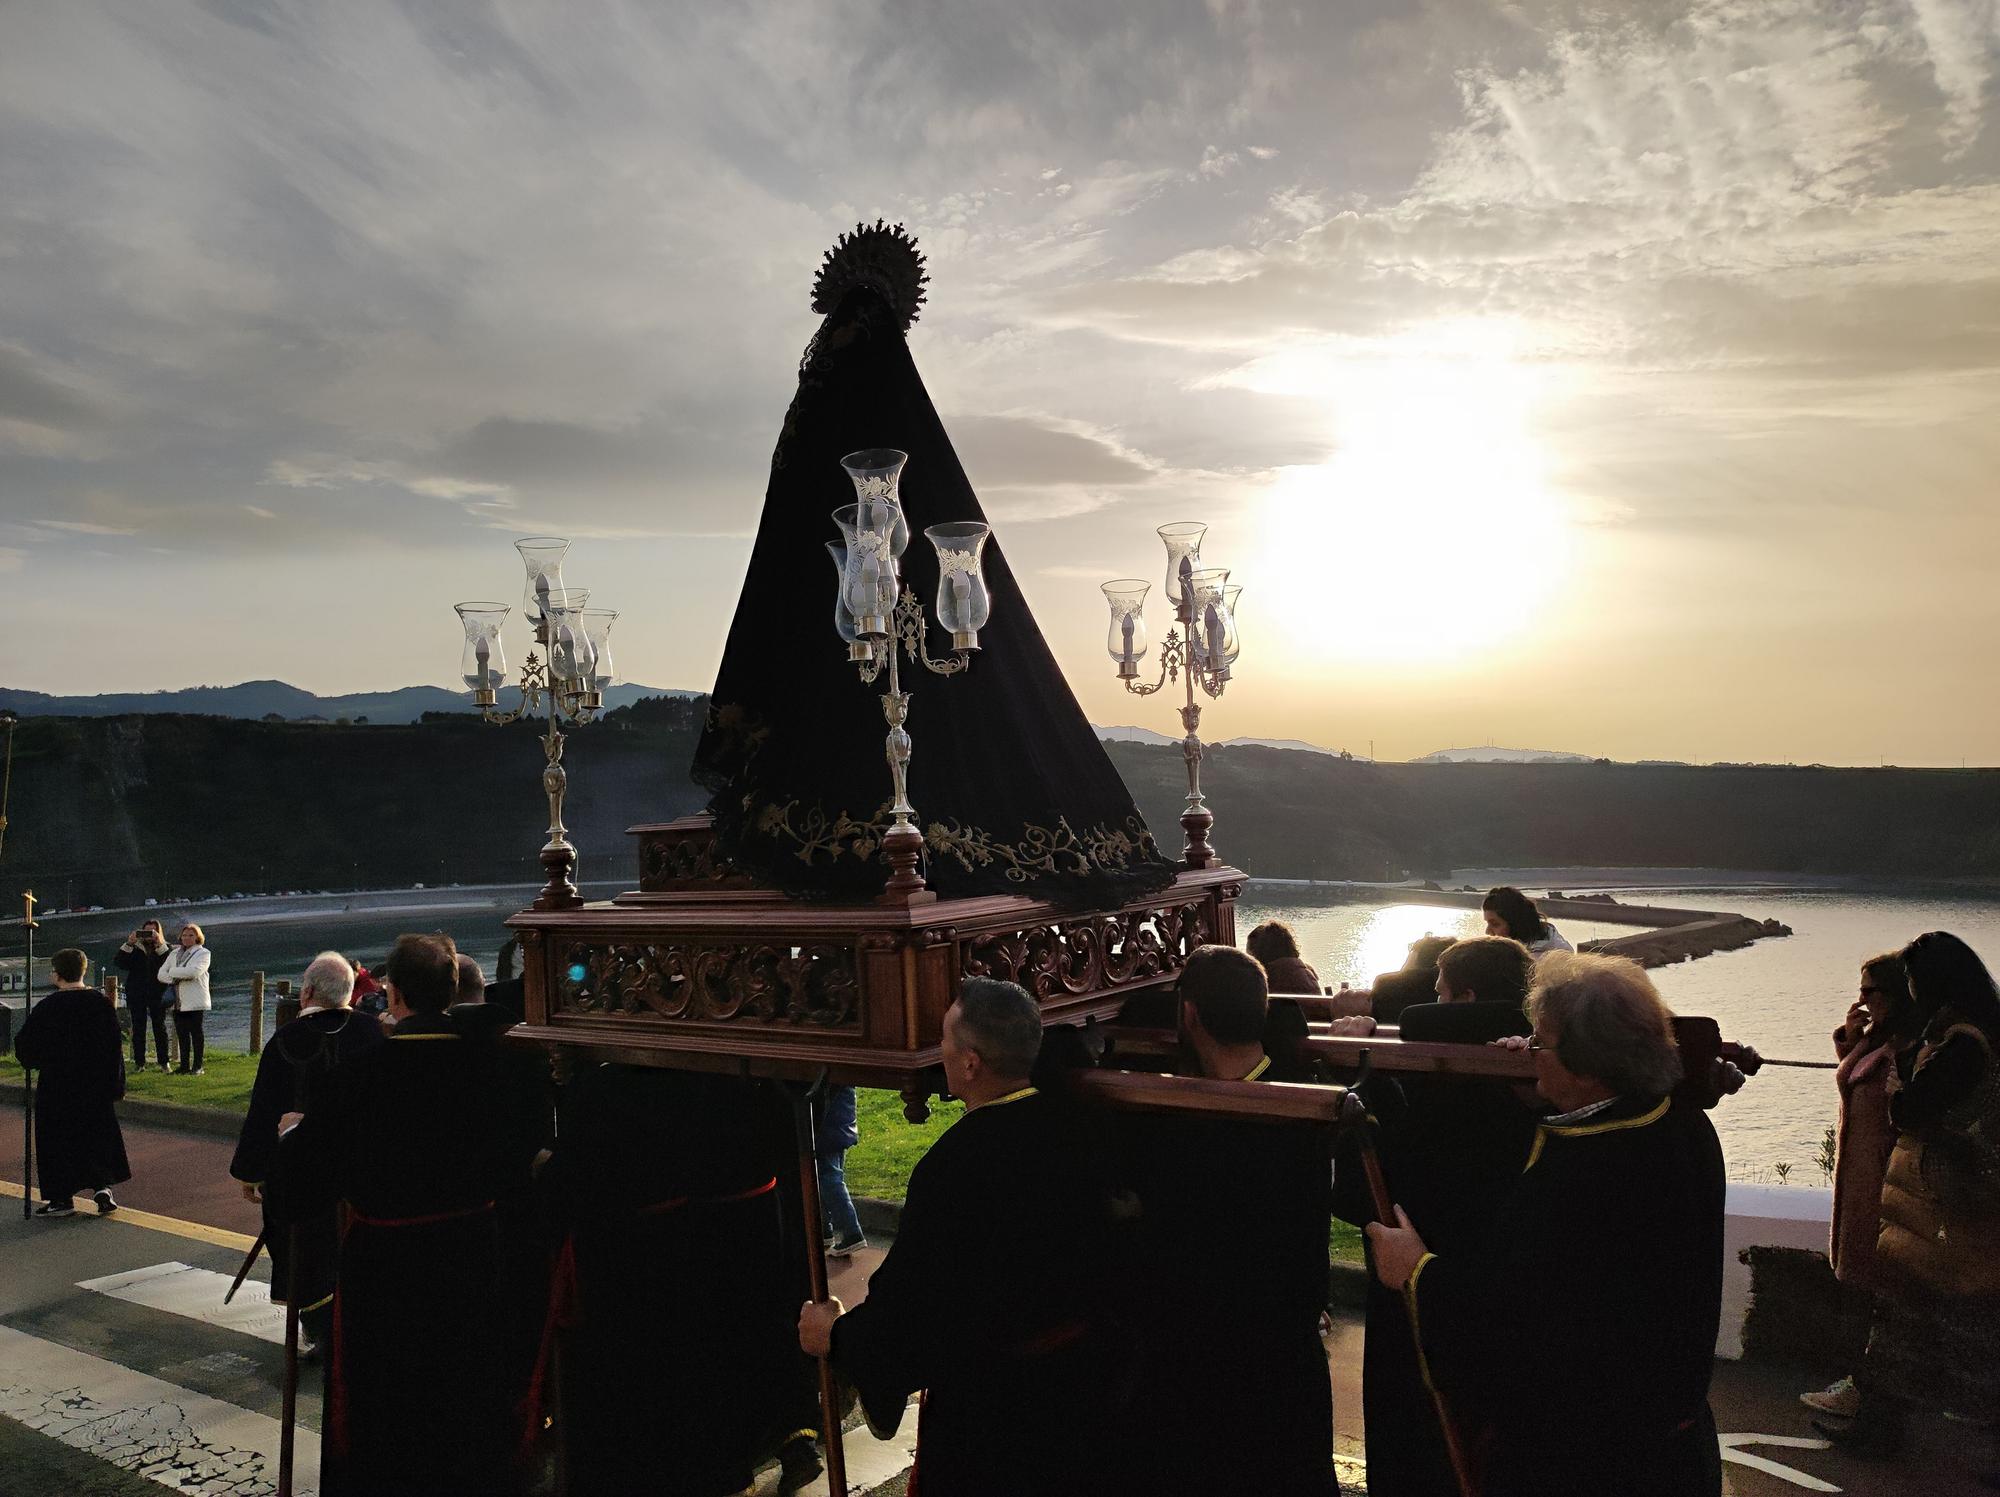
x=1842, y=1400
x=845, y=1248
x=105, y=1204
x=199, y=1071
x=56, y=1208
x=799, y=1465
x=309, y=1349
x=1868, y=1433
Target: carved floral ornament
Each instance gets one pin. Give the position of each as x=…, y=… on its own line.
x=1091, y=954
x=1039, y=850
x=693, y=981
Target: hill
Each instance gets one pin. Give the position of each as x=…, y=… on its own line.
x=1492, y=755
x=261, y=699
x=110, y=810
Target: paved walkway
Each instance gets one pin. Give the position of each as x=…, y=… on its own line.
x=122, y=1373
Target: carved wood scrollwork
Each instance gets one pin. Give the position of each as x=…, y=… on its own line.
x=668, y=859
x=810, y=986
x=1092, y=954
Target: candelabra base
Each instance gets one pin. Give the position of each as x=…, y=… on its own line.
x=560, y=892
x=903, y=848
x=1195, y=822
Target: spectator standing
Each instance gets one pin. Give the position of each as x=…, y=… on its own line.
x=185, y=972
x=1938, y=1339
x=139, y=958
x=1509, y=912
x=368, y=995
x=71, y=1037
x=836, y=1130
x=1875, y=1044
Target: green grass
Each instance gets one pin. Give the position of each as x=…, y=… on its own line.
x=880, y=1164
x=224, y=1085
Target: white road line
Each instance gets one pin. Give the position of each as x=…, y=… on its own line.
x=183, y=1440
x=196, y=1294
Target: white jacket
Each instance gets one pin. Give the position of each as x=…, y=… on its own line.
x=186, y=972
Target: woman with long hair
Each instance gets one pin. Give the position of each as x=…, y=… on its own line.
x=1937, y=1340
x=1511, y=913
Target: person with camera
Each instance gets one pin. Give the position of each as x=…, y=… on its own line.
x=185, y=972
x=140, y=959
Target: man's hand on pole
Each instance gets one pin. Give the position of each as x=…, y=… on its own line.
x=1398, y=1250
x=816, y=1318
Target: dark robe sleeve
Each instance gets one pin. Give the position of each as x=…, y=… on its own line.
x=30, y=1040
x=895, y=1341
x=270, y=1100
x=311, y=1160
x=109, y=1041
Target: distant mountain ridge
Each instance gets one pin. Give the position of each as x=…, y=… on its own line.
x=259, y=699
x=1128, y=734
x=1493, y=755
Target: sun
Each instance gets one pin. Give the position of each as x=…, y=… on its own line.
x=1430, y=534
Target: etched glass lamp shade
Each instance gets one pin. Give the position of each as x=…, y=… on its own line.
x=963, y=603
x=843, y=618
x=543, y=557
x=1183, y=541
x=1208, y=635
x=877, y=473
x=482, y=665
x=570, y=656
x=602, y=670
x=869, y=582
x=1232, y=638
x=1126, y=640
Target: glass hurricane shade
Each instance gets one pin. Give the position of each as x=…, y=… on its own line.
x=1232, y=639
x=877, y=474
x=1183, y=542
x=1208, y=634
x=482, y=664
x=543, y=557
x=602, y=671
x=1126, y=640
x=569, y=639
x=963, y=603
x=868, y=579
x=843, y=617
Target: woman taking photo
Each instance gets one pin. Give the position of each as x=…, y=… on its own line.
x=185, y=974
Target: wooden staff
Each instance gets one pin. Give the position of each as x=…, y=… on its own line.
x=249, y=1260
x=1385, y=1212
x=829, y=1396
x=289, y=1415
x=28, y=925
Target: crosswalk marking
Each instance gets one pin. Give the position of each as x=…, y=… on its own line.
x=185, y=1441
x=196, y=1293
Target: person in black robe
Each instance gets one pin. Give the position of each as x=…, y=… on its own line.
x=1235, y=1392
x=71, y=1039
x=1014, y=792
x=1452, y=1150
x=416, y=1138
x=1577, y=1337
x=676, y=1285
x=301, y=1056
x=527, y=1078
x=993, y=1298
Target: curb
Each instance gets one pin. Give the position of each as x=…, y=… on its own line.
x=209, y=1121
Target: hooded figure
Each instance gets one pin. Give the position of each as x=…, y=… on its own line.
x=1014, y=793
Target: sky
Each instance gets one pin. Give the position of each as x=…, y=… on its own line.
x=1620, y=379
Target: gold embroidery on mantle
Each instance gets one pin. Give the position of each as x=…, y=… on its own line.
x=1040, y=850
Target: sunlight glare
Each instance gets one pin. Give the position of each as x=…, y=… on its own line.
x=1430, y=532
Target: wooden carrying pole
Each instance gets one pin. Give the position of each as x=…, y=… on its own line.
x=812, y=1214
x=27, y=1076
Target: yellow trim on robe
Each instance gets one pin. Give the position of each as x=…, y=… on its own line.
x=1584, y=1130
x=1259, y=1069
x=430, y=1035
x=1026, y=1091
x=1416, y=1328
